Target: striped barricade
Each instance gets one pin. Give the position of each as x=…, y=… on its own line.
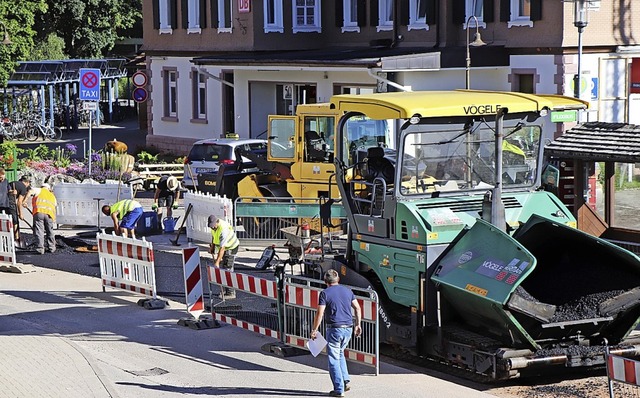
x=7, y=244
x=623, y=370
x=127, y=263
x=202, y=206
x=300, y=307
x=259, y=316
x=194, y=292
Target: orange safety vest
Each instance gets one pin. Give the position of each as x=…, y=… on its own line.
x=45, y=203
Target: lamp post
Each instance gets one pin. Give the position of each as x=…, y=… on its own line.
x=580, y=21
x=477, y=42
x=6, y=40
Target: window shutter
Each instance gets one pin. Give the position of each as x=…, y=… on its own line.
x=185, y=14
x=173, y=13
x=458, y=14
x=339, y=13
x=362, y=12
x=488, y=11
x=431, y=12
x=156, y=14
x=227, y=13
x=505, y=10
x=403, y=10
x=536, y=10
x=214, y=14
x=373, y=12
x=203, y=14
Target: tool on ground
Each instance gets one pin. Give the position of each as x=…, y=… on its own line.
x=195, y=187
x=184, y=220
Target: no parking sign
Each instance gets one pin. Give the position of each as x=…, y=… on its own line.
x=89, y=84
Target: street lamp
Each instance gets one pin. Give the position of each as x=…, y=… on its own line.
x=6, y=39
x=580, y=21
x=477, y=42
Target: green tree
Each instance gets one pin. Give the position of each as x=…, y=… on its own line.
x=50, y=48
x=89, y=28
x=18, y=17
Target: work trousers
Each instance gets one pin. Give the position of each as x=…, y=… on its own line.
x=43, y=230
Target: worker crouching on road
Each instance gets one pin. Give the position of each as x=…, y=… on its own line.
x=44, y=216
x=167, y=194
x=224, y=246
x=125, y=215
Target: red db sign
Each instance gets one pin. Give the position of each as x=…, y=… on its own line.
x=244, y=5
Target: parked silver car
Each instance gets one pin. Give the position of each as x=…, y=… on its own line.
x=206, y=156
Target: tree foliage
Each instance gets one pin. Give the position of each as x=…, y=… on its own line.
x=59, y=29
x=89, y=28
x=18, y=18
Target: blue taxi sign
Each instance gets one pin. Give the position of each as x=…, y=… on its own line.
x=89, y=84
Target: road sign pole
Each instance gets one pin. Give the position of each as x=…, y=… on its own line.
x=90, y=123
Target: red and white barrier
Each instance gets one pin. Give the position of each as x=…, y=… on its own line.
x=624, y=370
x=127, y=263
x=193, y=281
x=7, y=242
x=301, y=301
x=246, y=283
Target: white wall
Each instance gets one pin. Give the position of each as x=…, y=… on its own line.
x=253, y=101
x=184, y=128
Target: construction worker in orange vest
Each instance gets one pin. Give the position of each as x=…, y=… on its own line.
x=44, y=216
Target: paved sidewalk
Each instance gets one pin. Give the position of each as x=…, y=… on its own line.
x=61, y=336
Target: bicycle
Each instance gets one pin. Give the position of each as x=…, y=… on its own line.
x=44, y=131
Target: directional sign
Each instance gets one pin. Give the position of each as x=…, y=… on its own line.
x=140, y=94
x=89, y=84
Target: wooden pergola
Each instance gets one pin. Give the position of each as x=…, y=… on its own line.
x=583, y=146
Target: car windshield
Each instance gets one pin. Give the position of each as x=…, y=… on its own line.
x=459, y=158
x=210, y=152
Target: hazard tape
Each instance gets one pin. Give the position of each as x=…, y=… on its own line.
x=124, y=286
x=193, y=281
x=246, y=325
x=122, y=249
x=247, y=283
x=624, y=370
x=355, y=356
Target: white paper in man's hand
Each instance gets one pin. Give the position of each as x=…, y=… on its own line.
x=316, y=346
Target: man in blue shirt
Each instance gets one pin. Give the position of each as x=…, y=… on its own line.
x=337, y=301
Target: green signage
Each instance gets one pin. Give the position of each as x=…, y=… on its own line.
x=564, y=116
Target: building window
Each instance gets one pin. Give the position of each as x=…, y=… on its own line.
x=170, y=83
x=224, y=15
x=418, y=14
x=350, y=12
x=385, y=15
x=474, y=7
x=273, y=16
x=306, y=16
x=164, y=12
x=524, y=80
x=520, y=13
x=193, y=16
x=199, y=81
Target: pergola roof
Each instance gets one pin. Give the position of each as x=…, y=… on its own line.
x=38, y=73
x=598, y=142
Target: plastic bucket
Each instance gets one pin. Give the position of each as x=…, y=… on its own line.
x=169, y=225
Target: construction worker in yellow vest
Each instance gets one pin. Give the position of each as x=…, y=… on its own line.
x=125, y=215
x=44, y=215
x=224, y=246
